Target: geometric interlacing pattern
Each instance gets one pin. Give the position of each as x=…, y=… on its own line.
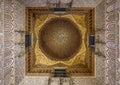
x=112, y=42
x=7, y=54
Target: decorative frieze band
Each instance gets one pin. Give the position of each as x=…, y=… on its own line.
x=111, y=51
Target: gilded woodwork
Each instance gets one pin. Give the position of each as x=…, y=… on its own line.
x=39, y=62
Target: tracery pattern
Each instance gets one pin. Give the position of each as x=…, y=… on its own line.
x=9, y=62
x=111, y=32
x=110, y=49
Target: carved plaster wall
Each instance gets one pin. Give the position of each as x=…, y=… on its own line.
x=111, y=39
x=1, y=43
x=118, y=61
x=99, y=80
x=12, y=64
x=19, y=41
x=78, y=3
x=9, y=55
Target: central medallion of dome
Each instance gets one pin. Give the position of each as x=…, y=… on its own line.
x=60, y=39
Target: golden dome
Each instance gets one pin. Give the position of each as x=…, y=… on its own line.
x=60, y=39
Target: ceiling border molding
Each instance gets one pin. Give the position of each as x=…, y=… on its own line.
x=87, y=70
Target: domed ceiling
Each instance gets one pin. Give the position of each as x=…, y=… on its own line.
x=60, y=39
